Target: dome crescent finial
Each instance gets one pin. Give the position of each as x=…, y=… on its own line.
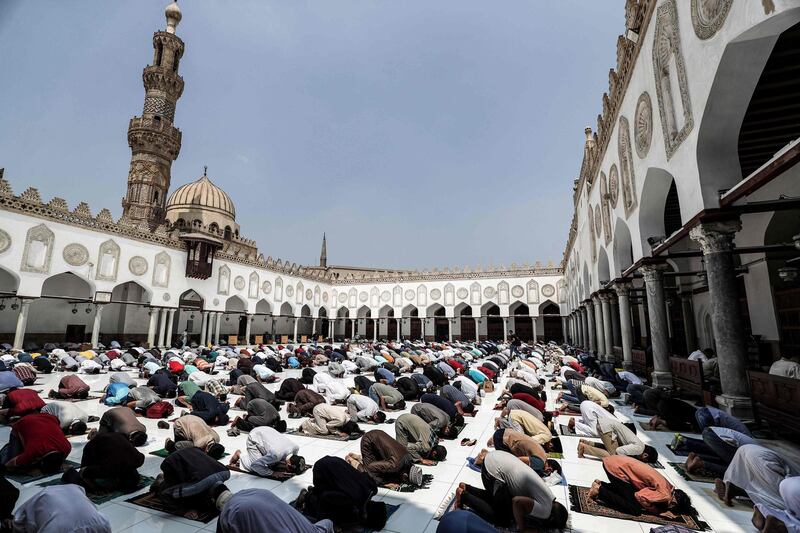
x=173, y=14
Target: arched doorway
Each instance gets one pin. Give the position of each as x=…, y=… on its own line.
x=441, y=326
x=365, y=322
x=386, y=315
x=342, y=326
x=322, y=324
x=466, y=322
x=415, y=323
x=262, y=321
x=523, y=323
x=494, y=322
x=551, y=314
x=65, y=297
x=126, y=318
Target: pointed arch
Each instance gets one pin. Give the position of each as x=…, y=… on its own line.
x=235, y=304
x=263, y=307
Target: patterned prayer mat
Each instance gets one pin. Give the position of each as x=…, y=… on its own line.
x=99, y=498
x=76, y=400
x=566, y=431
x=408, y=487
x=164, y=453
x=299, y=433
x=276, y=476
x=150, y=500
x=36, y=475
x=581, y=503
x=741, y=503
x=390, y=510
x=445, y=507
x=678, y=453
x=702, y=476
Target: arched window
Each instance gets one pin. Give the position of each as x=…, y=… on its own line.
x=213, y=227
x=159, y=54
x=227, y=232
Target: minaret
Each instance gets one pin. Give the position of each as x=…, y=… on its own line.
x=154, y=141
x=323, y=256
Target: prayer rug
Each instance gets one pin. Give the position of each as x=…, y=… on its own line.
x=76, y=400
x=678, y=453
x=445, y=507
x=646, y=426
x=387, y=421
x=409, y=487
x=566, y=431
x=99, y=498
x=276, y=476
x=37, y=475
x=390, y=510
x=740, y=503
x=352, y=436
x=454, y=436
x=150, y=500
x=702, y=476
x=164, y=453
x=471, y=464
x=555, y=455
x=581, y=503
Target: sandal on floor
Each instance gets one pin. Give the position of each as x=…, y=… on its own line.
x=469, y=442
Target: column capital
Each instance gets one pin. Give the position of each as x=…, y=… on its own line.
x=716, y=237
x=623, y=288
x=653, y=271
x=605, y=296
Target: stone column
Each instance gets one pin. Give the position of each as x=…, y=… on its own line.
x=294, y=334
x=399, y=328
x=535, y=329
x=217, y=324
x=210, y=328
x=623, y=296
x=599, y=328
x=716, y=240
x=590, y=326
x=247, y=329
x=608, y=337
x=375, y=325
x=615, y=330
x=352, y=329
x=477, y=329
x=659, y=339
x=151, y=330
x=313, y=328
x=162, y=330
x=170, y=325
x=450, y=322
x=689, y=329
x=586, y=343
x=203, y=327
x=98, y=316
x=564, y=328
x=22, y=323
x=505, y=329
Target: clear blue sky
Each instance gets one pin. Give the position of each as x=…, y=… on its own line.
x=417, y=133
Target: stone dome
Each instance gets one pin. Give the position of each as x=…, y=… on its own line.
x=202, y=194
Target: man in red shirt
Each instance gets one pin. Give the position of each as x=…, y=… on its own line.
x=20, y=402
x=36, y=441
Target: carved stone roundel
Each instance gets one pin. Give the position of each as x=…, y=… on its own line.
x=166, y=296
x=643, y=125
x=239, y=283
x=488, y=292
x=517, y=291
x=462, y=293
x=363, y=296
x=342, y=297
x=266, y=287
x=75, y=254
x=386, y=296
x=289, y=291
x=309, y=294
x=548, y=291
x=436, y=294
x=5, y=241
x=324, y=296
x=598, y=220
x=216, y=301
x=410, y=295
x=708, y=16
x=613, y=185
x=137, y=265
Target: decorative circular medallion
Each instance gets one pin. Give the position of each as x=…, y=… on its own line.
x=325, y=297
x=462, y=293
x=410, y=295
x=363, y=296
x=590, y=218
x=266, y=287
x=598, y=220
x=216, y=301
x=309, y=294
x=436, y=294
x=548, y=291
x=488, y=292
x=708, y=16
x=166, y=296
x=289, y=291
x=613, y=185
x=342, y=297
x=517, y=291
x=137, y=265
x=386, y=296
x=643, y=125
x=75, y=254
x=238, y=283
x=5, y=241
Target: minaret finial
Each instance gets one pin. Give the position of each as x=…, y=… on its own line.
x=205, y=170
x=173, y=14
x=323, y=256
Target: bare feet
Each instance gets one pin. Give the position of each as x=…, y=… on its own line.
x=773, y=525
x=694, y=463
x=571, y=423
x=191, y=515
x=595, y=490
x=723, y=492
x=758, y=519
x=581, y=448
x=235, y=458
x=481, y=456
x=459, y=492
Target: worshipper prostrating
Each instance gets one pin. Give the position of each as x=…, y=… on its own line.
x=618, y=439
x=511, y=493
x=259, y=413
x=439, y=421
x=757, y=472
x=209, y=408
x=524, y=448
x=364, y=409
x=190, y=430
x=71, y=418
x=387, y=397
x=386, y=460
x=70, y=387
x=328, y=420
x=20, y=402
x=781, y=520
x=459, y=521
x=419, y=439
x=714, y=452
x=109, y=462
x=261, y=510
x=267, y=451
x=635, y=488
x=191, y=481
x=122, y=420
x=60, y=509
x=304, y=402
x=343, y=495
x=36, y=441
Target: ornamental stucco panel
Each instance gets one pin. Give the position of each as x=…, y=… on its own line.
x=449, y=294
x=397, y=296
x=475, y=293
x=374, y=297
x=38, y=252
x=75, y=254
x=643, y=125
x=108, y=261
x=5, y=241
x=708, y=16
x=533, y=292
x=298, y=293
x=252, y=289
x=279, y=289
x=502, y=293
x=317, y=296
x=352, y=298
x=224, y=280
x=422, y=296
x=629, y=199
x=161, y=270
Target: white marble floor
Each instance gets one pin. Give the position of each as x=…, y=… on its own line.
x=418, y=508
